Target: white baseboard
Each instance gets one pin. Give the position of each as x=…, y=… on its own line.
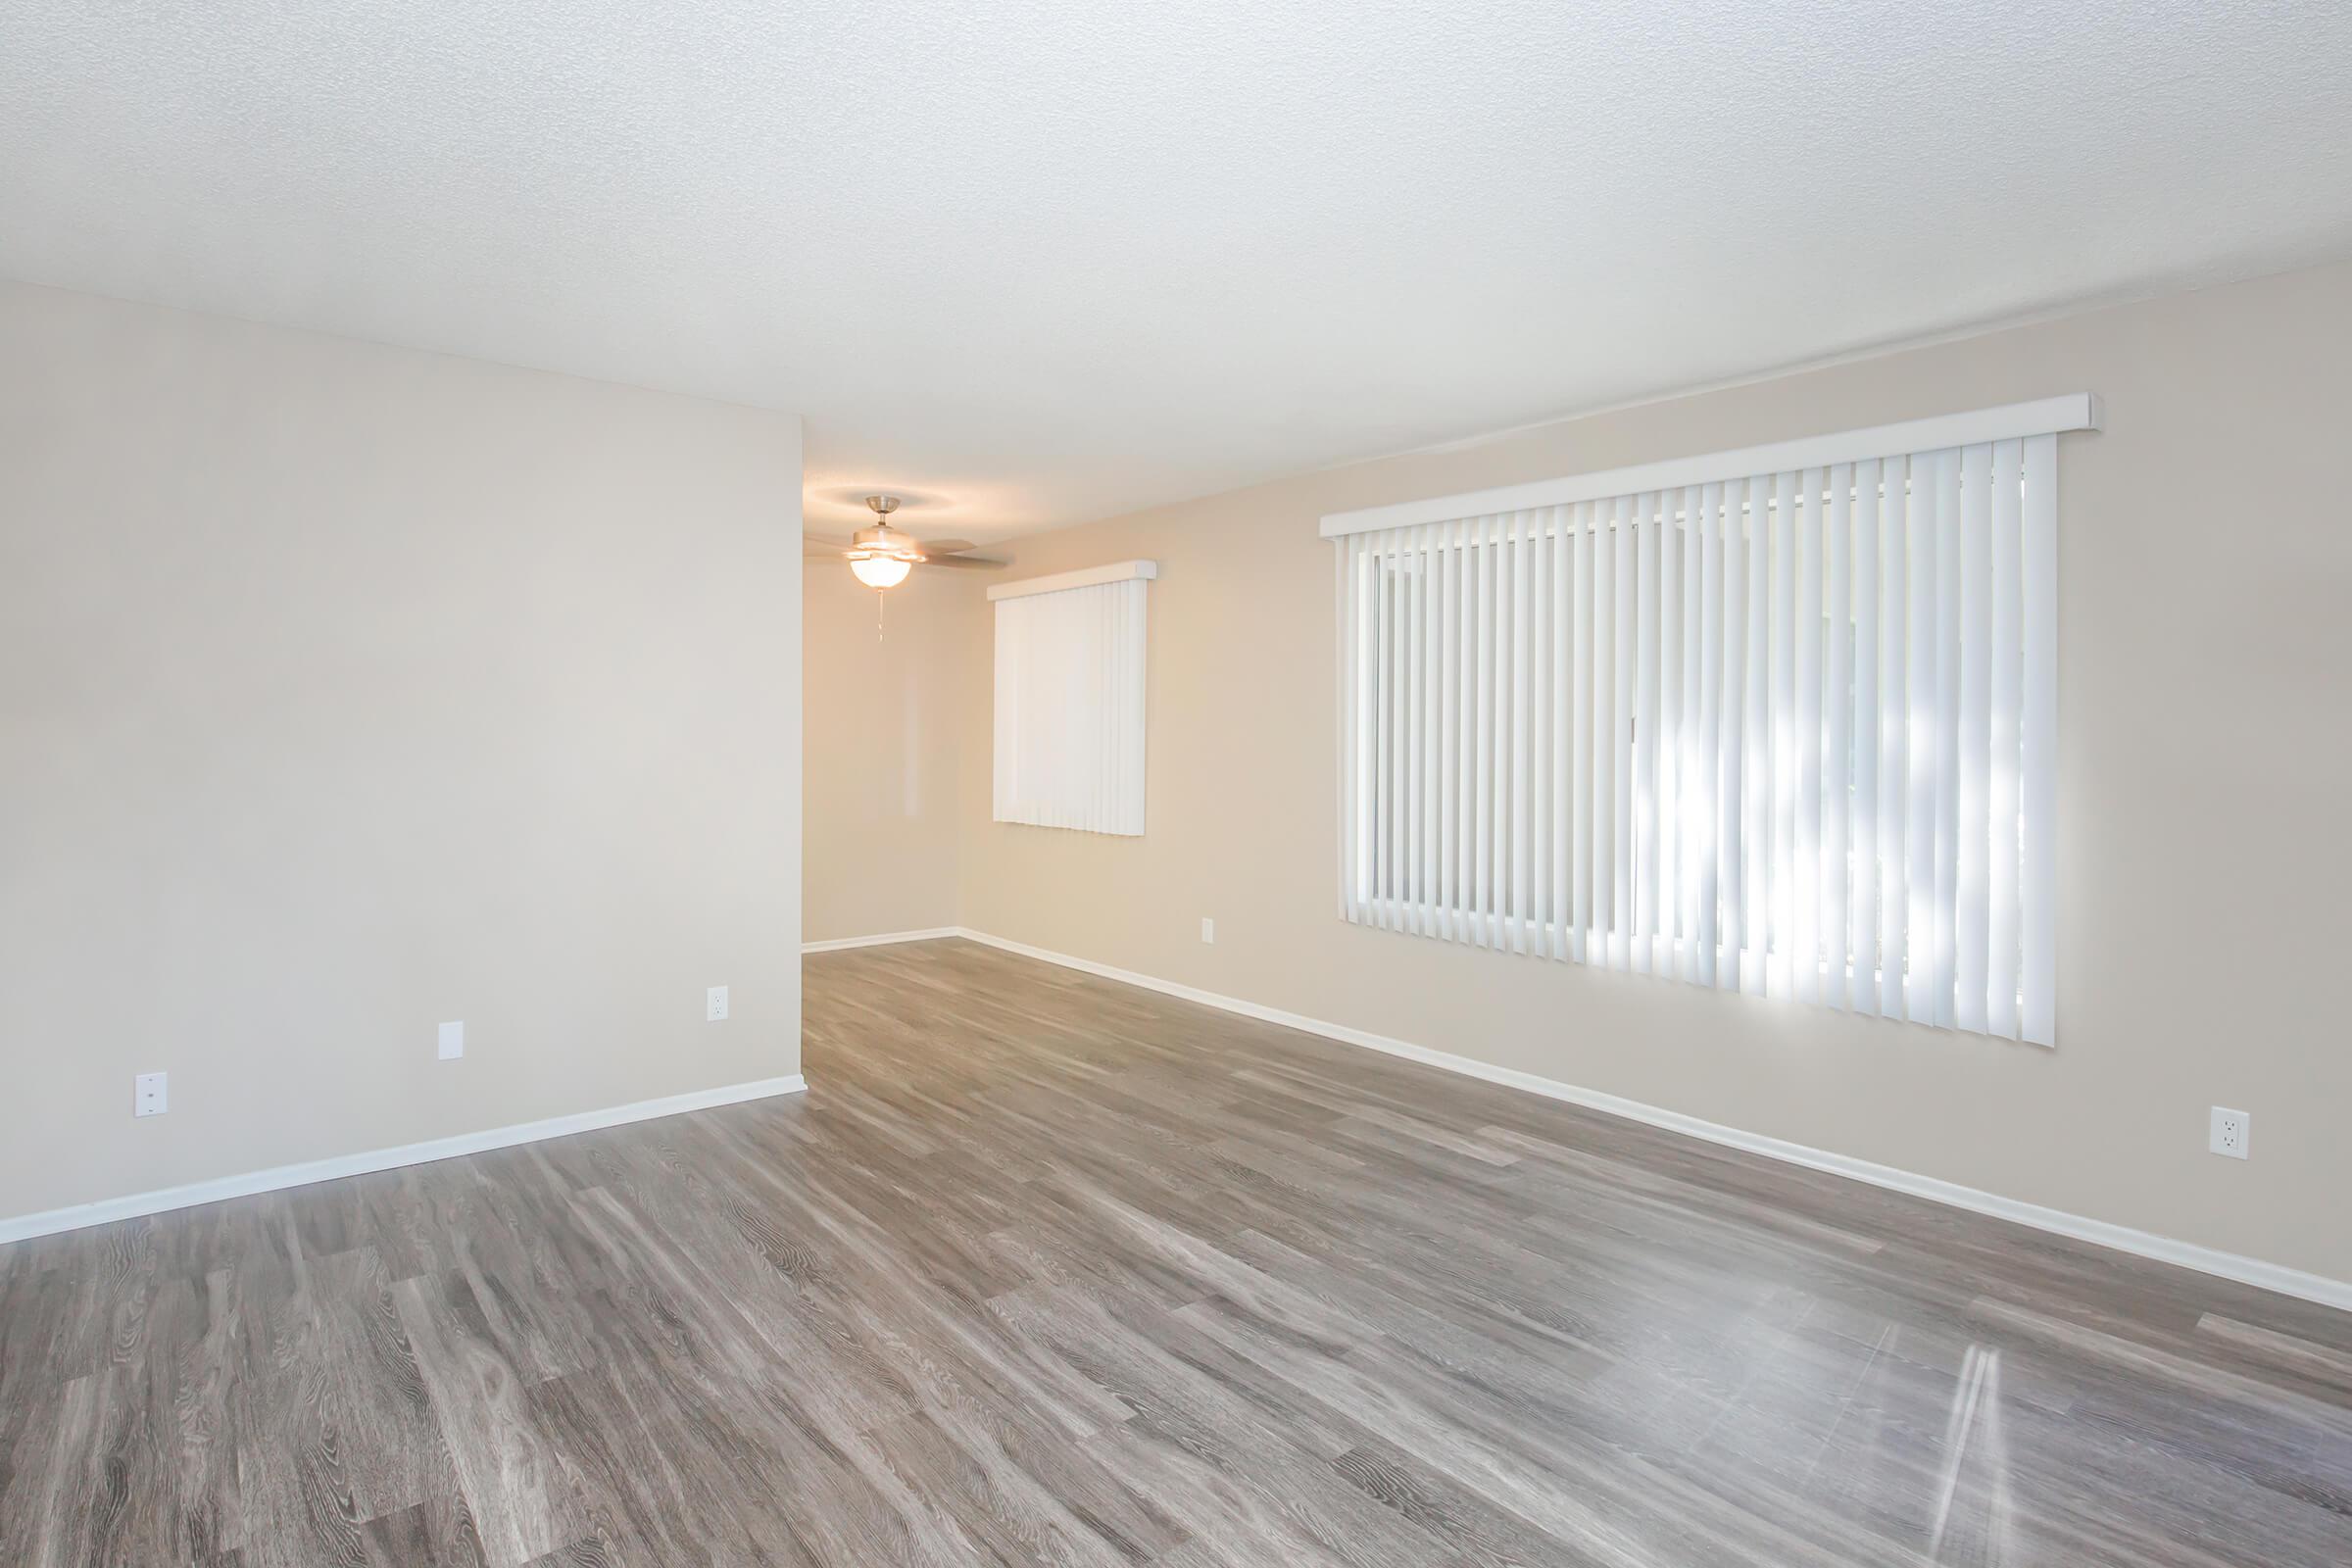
x=279, y=1177
x=2123, y=1238
x=884, y=940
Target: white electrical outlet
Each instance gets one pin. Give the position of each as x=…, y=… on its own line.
x=151, y=1094
x=714, y=1005
x=453, y=1038
x=2231, y=1133
x=1208, y=930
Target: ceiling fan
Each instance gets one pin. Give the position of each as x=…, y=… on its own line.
x=882, y=557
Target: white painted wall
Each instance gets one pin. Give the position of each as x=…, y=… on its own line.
x=887, y=723
x=345, y=690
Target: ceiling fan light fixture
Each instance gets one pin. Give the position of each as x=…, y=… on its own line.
x=881, y=571
x=881, y=555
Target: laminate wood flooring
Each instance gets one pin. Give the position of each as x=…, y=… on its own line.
x=1047, y=1269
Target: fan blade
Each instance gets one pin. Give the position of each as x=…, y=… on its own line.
x=944, y=546
x=970, y=562
x=810, y=545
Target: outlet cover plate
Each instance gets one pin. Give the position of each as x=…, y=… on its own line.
x=453, y=1038
x=714, y=1005
x=2231, y=1133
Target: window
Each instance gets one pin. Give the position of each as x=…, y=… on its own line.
x=1782, y=720
x=1069, y=710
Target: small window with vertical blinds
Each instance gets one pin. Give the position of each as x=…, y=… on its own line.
x=1780, y=720
x=1069, y=699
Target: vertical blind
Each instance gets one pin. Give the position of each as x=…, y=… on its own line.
x=1069, y=704
x=1791, y=733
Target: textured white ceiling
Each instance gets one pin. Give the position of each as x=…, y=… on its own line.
x=1039, y=263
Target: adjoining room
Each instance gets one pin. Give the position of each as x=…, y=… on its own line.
x=831, y=785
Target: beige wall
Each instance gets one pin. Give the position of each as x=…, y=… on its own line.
x=886, y=719
x=2206, y=565
x=344, y=690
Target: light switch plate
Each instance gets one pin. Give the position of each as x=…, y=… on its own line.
x=151, y=1094
x=453, y=1038
x=1208, y=930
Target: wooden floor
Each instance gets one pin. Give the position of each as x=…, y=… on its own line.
x=1043, y=1269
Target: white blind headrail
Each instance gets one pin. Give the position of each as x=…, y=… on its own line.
x=2053, y=415
x=1789, y=731
x=1083, y=577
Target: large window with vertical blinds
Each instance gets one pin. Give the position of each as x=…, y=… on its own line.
x=1782, y=720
